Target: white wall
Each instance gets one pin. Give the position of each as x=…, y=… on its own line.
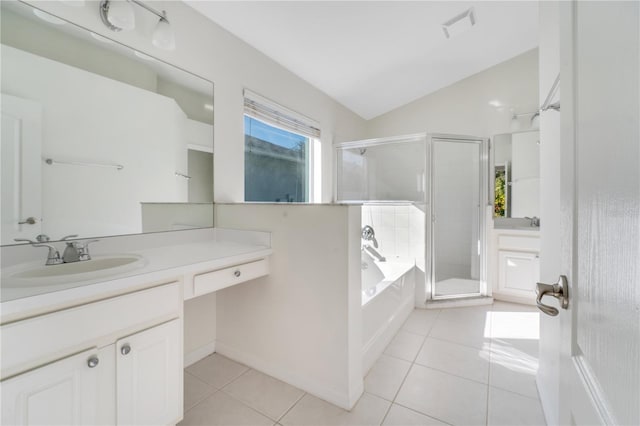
x=525, y=175
x=205, y=49
x=303, y=322
x=463, y=108
x=209, y=51
x=91, y=201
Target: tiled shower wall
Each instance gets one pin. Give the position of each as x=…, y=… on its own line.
x=399, y=228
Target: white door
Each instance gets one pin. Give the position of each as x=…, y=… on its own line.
x=20, y=167
x=149, y=376
x=600, y=196
x=62, y=393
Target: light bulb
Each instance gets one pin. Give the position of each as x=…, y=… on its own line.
x=515, y=124
x=163, y=36
x=121, y=15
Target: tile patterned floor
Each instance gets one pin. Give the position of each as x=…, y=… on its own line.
x=465, y=366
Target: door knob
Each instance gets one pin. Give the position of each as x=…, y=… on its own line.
x=559, y=290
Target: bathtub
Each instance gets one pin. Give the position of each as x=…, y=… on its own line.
x=388, y=297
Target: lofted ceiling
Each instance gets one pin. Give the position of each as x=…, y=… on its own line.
x=375, y=56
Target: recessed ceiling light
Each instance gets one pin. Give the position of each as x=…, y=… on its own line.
x=495, y=103
x=459, y=23
x=49, y=18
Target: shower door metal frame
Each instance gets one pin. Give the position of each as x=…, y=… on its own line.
x=483, y=196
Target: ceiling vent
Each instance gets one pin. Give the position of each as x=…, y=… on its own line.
x=459, y=23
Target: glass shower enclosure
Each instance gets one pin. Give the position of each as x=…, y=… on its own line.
x=382, y=170
x=456, y=232
x=445, y=177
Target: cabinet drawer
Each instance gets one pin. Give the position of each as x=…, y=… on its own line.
x=512, y=242
x=216, y=280
x=36, y=341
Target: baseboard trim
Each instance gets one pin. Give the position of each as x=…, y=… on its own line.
x=342, y=400
x=459, y=303
x=198, y=354
x=523, y=300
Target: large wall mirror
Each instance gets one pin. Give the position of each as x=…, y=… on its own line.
x=515, y=163
x=98, y=139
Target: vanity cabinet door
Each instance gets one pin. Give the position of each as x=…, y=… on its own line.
x=519, y=272
x=64, y=392
x=149, y=376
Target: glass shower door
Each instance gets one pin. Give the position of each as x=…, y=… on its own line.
x=457, y=217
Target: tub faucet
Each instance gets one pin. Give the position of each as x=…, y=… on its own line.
x=373, y=252
x=368, y=234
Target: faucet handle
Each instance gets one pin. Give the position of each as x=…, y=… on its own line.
x=24, y=240
x=83, y=249
x=68, y=236
x=53, y=257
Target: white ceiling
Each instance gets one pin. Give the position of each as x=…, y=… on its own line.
x=374, y=56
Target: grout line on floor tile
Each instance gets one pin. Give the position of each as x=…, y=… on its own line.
x=247, y=405
x=291, y=408
x=486, y=415
x=386, y=414
x=421, y=413
x=434, y=322
x=514, y=393
x=236, y=378
x=458, y=343
x=409, y=332
x=186, y=410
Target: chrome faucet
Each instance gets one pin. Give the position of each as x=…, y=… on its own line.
x=535, y=221
x=53, y=257
x=368, y=234
x=73, y=252
x=76, y=251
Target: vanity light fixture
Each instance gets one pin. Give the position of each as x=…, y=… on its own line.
x=534, y=122
x=459, y=23
x=118, y=15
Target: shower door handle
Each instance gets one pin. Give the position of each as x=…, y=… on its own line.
x=559, y=290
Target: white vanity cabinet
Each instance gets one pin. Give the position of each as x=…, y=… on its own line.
x=517, y=265
x=148, y=379
x=113, y=361
x=64, y=392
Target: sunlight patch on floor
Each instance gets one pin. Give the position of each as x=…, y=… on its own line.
x=512, y=325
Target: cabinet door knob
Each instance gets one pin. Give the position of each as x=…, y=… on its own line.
x=124, y=350
x=93, y=361
x=237, y=273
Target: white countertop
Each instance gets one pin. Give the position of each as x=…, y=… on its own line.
x=21, y=298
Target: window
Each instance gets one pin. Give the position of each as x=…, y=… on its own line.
x=279, y=155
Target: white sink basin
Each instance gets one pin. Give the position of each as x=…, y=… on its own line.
x=99, y=266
